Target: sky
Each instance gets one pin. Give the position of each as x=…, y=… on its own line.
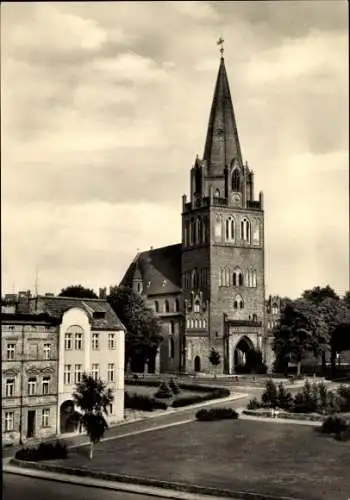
x=105, y=105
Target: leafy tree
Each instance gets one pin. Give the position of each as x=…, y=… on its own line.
x=318, y=294
x=92, y=397
x=301, y=331
x=77, y=291
x=346, y=298
x=255, y=361
x=143, y=328
x=214, y=358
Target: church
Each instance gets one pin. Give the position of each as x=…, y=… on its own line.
x=209, y=290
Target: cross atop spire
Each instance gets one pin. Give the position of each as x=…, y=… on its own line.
x=221, y=43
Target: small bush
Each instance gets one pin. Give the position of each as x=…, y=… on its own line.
x=284, y=398
x=270, y=396
x=143, y=403
x=164, y=391
x=174, y=386
x=254, y=404
x=45, y=451
x=216, y=414
x=335, y=425
x=344, y=393
x=197, y=398
x=344, y=435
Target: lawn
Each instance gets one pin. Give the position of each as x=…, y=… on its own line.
x=286, y=459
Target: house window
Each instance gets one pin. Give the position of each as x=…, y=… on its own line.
x=95, y=371
x=177, y=305
x=47, y=351
x=167, y=307
x=110, y=409
x=77, y=373
x=45, y=417
x=9, y=421
x=32, y=386
x=10, y=351
x=110, y=372
x=156, y=306
x=197, y=306
x=111, y=341
x=68, y=341
x=78, y=341
x=67, y=374
x=10, y=387
x=95, y=341
x=46, y=385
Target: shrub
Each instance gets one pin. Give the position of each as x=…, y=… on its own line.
x=164, y=391
x=174, y=386
x=45, y=451
x=216, y=414
x=269, y=397
x=197, y=398
x=344, y=392
x=335, y=425
x=254, y=404
x=144, y=403
x=284, y=398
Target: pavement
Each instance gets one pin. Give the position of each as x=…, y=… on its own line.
x=26, y=486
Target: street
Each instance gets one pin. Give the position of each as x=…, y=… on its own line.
x=21, y=488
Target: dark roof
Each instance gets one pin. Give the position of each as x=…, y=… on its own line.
x=56, y=307
x=28, y=318
x=159, y=269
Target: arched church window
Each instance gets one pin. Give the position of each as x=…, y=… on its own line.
x=227, y=278
x=194, y=279
x=167, y=306
x=227, y=229
x=238, y=302
x=232, y=229
x=171, y=347
x=156, y=306
x=218, y=228
x=196, y=306
x=254, y=278
x=198, y=230
x=192, y=233
x=196, y=323
x=236, y=180
x=245, y=230
x=237, y=277
x=177, y=305
x=187, y=233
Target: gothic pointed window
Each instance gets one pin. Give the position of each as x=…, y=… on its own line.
x=194, y=279
x=240, y=279
x=227, y=279
x=218, y=228
x=245, y=230
x=192, y=233
x=171, y=347
x=232, y=229
x=177, y=305
x=187, y=233
x=227, y=229
x=238, y=302
x=237, y=277
x=254, y=278
x=236, y=180
x=197, y=306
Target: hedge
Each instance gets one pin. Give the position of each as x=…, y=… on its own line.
x=143, y=402
x=197, y=398
x=212, y=414
x=45, y=451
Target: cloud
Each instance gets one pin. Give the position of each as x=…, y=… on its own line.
x=104, y=111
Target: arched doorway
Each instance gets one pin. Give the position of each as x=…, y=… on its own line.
x=197, y=364
x=69, y=418
x=240, y=355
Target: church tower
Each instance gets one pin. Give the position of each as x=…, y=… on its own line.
x=223, y=276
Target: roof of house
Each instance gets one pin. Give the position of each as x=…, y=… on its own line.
x=101, y=314
x=159, y=270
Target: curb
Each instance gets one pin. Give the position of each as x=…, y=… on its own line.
x=163, y=489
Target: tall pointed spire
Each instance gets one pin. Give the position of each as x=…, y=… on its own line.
x=222, y=143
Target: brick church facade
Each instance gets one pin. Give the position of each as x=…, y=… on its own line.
x=209, y=290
